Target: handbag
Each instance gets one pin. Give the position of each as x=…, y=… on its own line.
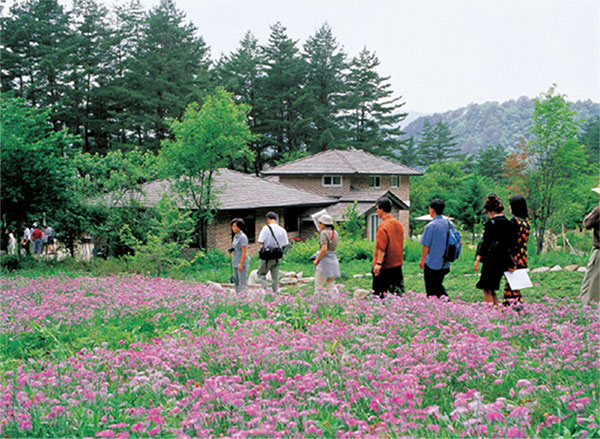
x=270, y=253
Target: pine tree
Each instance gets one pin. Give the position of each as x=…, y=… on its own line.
x=34, y=52
x=124, y=105
x=325, y=83
x=490, y=162
x=169, y=70
x=408, y=153
x=89, y=74
x=239, y=73
x=437, y=143
x=281, y=94
x=372, y=117
x=590, y=137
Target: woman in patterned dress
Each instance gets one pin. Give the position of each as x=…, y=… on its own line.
x=518, y=208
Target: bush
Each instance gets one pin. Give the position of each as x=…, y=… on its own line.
x=355, y=250
x=301, y=252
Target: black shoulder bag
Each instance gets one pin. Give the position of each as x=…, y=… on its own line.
x=270, y=253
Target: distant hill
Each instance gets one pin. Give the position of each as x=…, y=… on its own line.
x=483, y=125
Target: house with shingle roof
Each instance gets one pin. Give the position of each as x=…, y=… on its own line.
x=334, y=180
x=349, y=176
x=240, y=196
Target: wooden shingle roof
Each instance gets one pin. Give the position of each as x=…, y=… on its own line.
x=342, y=162
x=235, y=190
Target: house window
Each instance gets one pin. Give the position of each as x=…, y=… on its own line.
x=394, y=181
x=375, y=181
x=332, y=181
x=291, y=217
x=373, y=224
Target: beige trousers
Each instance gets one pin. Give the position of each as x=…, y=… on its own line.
x=590, y=287
x=322, y=281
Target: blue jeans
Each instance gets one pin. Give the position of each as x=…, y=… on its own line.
x=37, y=246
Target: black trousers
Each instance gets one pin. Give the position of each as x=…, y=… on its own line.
x=389, y=280
x=433, y=281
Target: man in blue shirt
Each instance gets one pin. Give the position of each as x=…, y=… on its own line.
x=434, y=242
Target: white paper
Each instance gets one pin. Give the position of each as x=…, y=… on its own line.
x=315, y=217
x=518, y=279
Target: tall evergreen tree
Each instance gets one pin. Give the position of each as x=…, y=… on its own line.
x=281, y=94
x=326, y=86
x=169, y=70
x=408, y=152
x=490, y=162
x=34, y=51
x=437, y=143
x=125, y=107
x=590, y=137
x=89, y=74
x=239, y=73
x=373, y=117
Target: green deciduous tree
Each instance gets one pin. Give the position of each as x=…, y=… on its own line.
x=555, y=157
x=168, y=236
x=352, y=225
x=36, y=176
x=205, y=139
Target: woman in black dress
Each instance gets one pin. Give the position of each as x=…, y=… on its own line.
x=494, y=252
x=518, y=208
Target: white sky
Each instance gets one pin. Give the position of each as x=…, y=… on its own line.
x=440, y=54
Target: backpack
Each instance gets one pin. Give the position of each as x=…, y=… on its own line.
x=453, y=244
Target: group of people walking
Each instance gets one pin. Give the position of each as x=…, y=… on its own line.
x=503, y=248
x=41, y=239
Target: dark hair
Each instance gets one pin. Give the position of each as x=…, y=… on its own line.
x=437, y=205
x=384, y=204
x=493, y=203
x=518, y=205
x=271, y=215
x=239, y=223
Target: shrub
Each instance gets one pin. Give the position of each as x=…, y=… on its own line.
x=301, y=252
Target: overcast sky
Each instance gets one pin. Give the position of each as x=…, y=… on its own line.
x=440, y=54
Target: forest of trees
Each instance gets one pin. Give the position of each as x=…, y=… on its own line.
x=110, y=99
x=115, y=77
x=478, y=126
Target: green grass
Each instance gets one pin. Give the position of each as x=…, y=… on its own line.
x=215, y=266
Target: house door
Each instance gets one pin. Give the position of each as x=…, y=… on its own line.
x=373, y=224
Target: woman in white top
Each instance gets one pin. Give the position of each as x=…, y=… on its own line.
x=326, y=264
x=12, y=243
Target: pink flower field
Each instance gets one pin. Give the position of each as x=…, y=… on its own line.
x=138, y=357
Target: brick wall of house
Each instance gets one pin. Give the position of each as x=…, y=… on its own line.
x=402, y=192
x=314, y=184
x=219, y=231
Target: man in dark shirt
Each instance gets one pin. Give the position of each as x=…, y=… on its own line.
x=590, y=287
